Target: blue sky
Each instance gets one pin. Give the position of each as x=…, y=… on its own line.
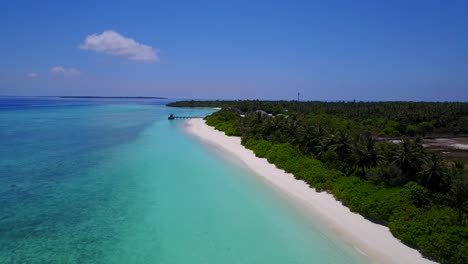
x=326, y=50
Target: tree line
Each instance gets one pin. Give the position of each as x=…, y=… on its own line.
x=385, y=118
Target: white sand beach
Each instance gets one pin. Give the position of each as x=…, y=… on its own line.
x=369, y=238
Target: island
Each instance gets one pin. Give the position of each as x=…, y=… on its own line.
x=401, y=165
x=110, y=97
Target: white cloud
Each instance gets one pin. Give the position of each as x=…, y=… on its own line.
x=32, y=75
x=64, y=71
x=111, y=42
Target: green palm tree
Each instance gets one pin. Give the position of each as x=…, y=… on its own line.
x=434, y=173
x=408, y=157
x=459, y=190
x=342, y=144
x=365, y=153
x=325, y=141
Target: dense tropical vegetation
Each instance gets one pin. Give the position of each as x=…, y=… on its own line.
x=421, y=197
x=390, y=119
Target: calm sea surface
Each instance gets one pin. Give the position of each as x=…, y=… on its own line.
x=113, y=181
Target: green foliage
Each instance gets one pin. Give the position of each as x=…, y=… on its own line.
x=328, y=145
x=364, y=153
x=372, y=201
x=391, y=128
x=459, y=191
x=416, y=195
x=286, y=157
x=462, y=124
x=411, y=130
x=434, y=232
x=279, y=154
x=226, y=121
x=332, y=121
x=434, y=174
x=409, y=157
x=261, y=147
x=425, y=128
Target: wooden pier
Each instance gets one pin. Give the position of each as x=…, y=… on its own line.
x=172, y=117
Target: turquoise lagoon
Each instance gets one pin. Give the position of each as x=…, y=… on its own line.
x=113, y=181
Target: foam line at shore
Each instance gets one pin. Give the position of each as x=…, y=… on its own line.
x=369, y=238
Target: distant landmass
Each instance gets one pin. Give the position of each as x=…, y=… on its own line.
x=115, y=97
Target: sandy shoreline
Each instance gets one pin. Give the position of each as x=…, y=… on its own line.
x=373, y=240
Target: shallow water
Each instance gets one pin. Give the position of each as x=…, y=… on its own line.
x=113, y=181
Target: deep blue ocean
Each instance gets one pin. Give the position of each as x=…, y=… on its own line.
x=114, y=181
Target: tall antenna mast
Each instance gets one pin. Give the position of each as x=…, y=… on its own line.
x=298, y=96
